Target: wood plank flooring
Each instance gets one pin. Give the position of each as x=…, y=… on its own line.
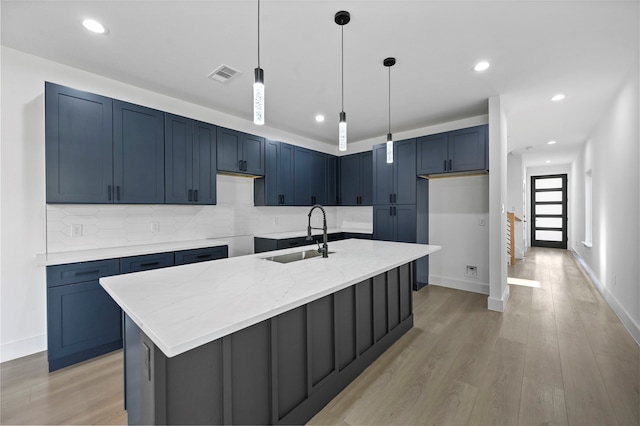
x=558, y=355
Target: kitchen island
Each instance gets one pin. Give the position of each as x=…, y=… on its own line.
x=249, y=340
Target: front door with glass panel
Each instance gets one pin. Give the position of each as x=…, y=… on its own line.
x=549, y=211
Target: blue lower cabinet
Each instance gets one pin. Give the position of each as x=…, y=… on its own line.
x=395, y=222
x=83, y=320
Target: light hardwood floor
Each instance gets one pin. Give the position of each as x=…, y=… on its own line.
x=558, y=355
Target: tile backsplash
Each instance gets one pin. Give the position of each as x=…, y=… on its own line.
x=234, y=219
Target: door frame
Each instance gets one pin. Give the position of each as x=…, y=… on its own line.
x=565, y=229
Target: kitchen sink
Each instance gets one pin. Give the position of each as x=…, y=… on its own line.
x=294, y=257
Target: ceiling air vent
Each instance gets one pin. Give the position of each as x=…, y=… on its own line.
x=224, y=74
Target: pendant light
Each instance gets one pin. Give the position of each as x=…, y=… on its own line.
x=258, y=85
x=342, y=18
x=389, y=62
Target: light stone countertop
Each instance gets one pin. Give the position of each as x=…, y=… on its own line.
x=183, y=307
x=61, y=258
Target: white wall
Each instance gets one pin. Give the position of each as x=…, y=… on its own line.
x=498, y=135
x=612, y=154
x=24, y=212
x=458, y=221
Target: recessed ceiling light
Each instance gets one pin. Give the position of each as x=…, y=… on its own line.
x=551, y=143
x=558, y=97
x=481, y=66
x=319, y=118
x=548, y=161
x=94, y=26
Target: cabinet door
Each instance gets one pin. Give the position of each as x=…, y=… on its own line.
x=81, y=317
x=350, y=176
x=318, y=178
x=252, y=153
x=405, y=219
x=383, y=222
x=432, y=154
x=78, y=146
x=204, y=163
x=138, y=154
x=332, y=180
x=404, y=164
x=302, y=174
x=383, y=175
x=286, y=174
x=468, y=149
x=266, y=190
x=178, y=136
x=366, y=178
x=228, y=148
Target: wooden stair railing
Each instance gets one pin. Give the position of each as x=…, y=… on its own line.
x=511, y=238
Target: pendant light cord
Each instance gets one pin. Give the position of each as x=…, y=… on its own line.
x=342, y=50
x=258, y=33
x=389, y=99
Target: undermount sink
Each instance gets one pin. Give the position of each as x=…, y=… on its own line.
x=294, y=257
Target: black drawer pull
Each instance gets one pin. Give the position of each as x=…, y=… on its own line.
x=450, y=168
x=144, y=265
x=118, y=193
x=204, y=256
x=95, y=271
x=195, y=195
x=190, y=196
x=445, y=165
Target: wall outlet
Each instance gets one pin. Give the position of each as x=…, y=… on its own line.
x=76, y=230
x=155, y=226
x=472, y=271
x=483, y=222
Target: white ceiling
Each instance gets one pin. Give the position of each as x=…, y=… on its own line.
x=536, y=48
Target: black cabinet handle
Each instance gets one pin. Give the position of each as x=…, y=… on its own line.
x=390, y=198
x=118, y=192
x=358, y=202
x=445, y=165
x=204, y=256
x=390, y=211
x=240, y=165
x=109, y=191
x=450, y=168
x=190, y=195
x=195, y=195
x=281, y=199
x=95, y=271
x=395, y=198
x=144, y=265
x=395, y=211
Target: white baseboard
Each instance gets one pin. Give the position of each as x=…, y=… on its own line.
x=498, y=305
x=620, y=311
x=32, y=345
x=473, y=286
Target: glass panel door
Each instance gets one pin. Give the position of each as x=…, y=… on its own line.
x=549, y=211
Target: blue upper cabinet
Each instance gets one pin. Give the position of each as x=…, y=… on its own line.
x=138, y=154
x=464, y=150
x=276, y=188
x=190, y=159
x=356, y=186
x=395, y=183
x=332, y=180
x=79, y=146
x=100, y=150
x=310, y=177
x=240, y=152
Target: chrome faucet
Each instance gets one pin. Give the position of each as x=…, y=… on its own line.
x=325, y=248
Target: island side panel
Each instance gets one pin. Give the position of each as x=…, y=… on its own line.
x=282, y=370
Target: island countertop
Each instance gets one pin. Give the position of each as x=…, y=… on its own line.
x=183, y=307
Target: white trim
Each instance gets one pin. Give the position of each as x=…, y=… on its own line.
x=20, y=348
x=632, y=327
x=587, y=243
x=498, y=305
x=472, y=286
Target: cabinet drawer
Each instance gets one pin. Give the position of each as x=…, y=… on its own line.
x=80, y=272
x=201, y=255
x=145, y=262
